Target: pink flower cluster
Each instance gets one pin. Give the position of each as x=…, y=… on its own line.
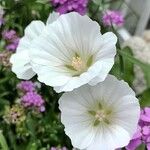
x=65, y=6
x=111, y=17
x=54, y=148
x=26, y=86
x=31, y=99
x=11, y=38
x=143, y=132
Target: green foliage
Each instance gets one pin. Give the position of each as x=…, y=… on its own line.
x=128, y=68
x=145, y=67
x=3, y=143
x=145, y=98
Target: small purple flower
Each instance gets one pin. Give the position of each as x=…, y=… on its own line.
x=65, y=6
x=55, y=148
x=9, y=34
x=112, y=17
x=11, y=38
x=33, y=100
x=143, y=132
x=26, y=86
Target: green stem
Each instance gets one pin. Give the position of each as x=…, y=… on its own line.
x=120, y=56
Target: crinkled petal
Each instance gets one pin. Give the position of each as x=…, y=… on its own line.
x=21, y=66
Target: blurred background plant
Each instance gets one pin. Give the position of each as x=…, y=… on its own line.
x=29, y=115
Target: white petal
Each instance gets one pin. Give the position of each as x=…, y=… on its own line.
x=32, y=31
x=78, y=125
x=106, y=46
x=111, y=86
x=64, y=37
x=110, y=138
x=84, y=78
x=21, y=66
x=52, y=17
x=21, y=61
x=52, y=76
x=125, y=118
x=106, y=67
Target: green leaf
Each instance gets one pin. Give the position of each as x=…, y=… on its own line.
x=141, y=147
x=145, y=98
x=3, y=142
x=128, y=68
x=42, y=1
x=145, y=67
x=32, y=146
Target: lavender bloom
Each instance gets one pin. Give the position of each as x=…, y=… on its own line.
x=65, y=6
x=111, y=17
x=143, y=132
x=55, y=148
x=11, y=38
x=33, y=100
x=26, y=86
x=9, y=34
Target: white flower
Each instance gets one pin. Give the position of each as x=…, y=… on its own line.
x=101, y=117
x=21, y=60
x=72, y=52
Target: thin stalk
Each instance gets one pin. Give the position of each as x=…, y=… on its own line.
x=121, y=60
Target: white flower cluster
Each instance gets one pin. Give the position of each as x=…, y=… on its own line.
x=141, y=50
x=70, y=54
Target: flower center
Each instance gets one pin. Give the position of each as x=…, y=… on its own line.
x=78, y=64
x=101, y=115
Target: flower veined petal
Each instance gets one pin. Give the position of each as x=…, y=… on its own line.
x=109, y=139
x=104, y=108
x=65, y=45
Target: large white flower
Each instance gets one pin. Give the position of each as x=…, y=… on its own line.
x=101, y=117
x=72, y=52
x=21, y=60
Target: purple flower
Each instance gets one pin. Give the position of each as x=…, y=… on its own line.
x=9, y=34
x=65, y=6
x=33, y=100
x=26, y=86
x=55, y=148
x=136, y=140
x=143, y=132
x=11, y=38
x=111, y=17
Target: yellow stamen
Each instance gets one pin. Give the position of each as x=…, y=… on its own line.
x=77, y=63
